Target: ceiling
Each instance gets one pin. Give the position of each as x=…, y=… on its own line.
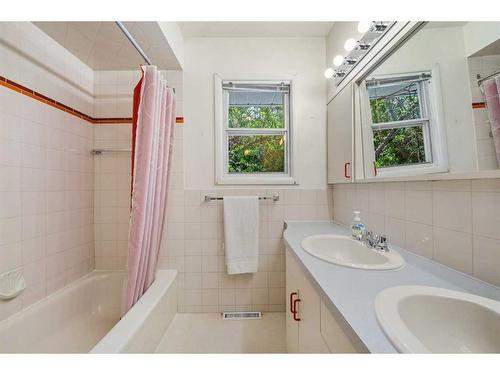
x=254, y=29
x=103, y=46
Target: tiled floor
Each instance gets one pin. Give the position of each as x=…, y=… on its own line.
x=208, y=333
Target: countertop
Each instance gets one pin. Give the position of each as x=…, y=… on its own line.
x=353, y=291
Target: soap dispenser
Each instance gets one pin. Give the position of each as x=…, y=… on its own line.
x=357, y=227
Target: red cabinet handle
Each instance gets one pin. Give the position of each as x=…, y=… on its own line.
x=295, y=311
x=291, y=301
x=346, y=169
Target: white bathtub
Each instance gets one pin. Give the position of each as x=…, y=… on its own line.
x=85, y=316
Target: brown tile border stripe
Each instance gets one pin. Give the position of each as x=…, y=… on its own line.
x=478, y=105
x=5, y=82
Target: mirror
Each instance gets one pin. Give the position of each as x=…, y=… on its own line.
x=432, y=105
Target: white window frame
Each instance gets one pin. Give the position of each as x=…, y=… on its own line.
x=432, y=119
x=222, y=132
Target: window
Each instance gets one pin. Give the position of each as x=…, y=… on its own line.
x=253, y=132
x=403, y=130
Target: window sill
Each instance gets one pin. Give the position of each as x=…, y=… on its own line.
x=254, y=180
x=409, y=171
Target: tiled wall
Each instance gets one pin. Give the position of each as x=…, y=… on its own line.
x=454, y=222
x=193, y=244
x=113, y=92
x=483, y=65
x=33, y=59
x=46, y=196
x=112, y=195
x=46, y=171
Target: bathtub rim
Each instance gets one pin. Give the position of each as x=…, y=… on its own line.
x=116, y=340
x=87, y=277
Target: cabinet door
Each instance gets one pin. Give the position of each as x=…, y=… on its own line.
x=293, y=275
x=309, y=311
x=337, y=334
x=340, y=137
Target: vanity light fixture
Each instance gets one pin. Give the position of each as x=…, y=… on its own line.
x=371, y=32
x=338, y=60
x=350, y=44
x=329, y=73
x=363, y=46
x=380, y=26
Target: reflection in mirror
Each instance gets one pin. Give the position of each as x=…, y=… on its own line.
x=422, y=110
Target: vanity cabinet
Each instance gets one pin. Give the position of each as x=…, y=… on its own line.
x=303, y=319
x=311, y=327
x=340, y=138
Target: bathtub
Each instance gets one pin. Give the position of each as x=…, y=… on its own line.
x=84, y=317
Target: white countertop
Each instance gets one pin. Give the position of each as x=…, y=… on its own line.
x=353, y=291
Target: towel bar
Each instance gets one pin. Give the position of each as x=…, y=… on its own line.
x=208, y=198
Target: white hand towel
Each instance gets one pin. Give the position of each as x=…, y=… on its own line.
x=241, y=232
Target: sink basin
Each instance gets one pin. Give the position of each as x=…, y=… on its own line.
x=345, y=251
x=420, y=319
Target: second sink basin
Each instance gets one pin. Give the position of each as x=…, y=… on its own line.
x=345, y=251
x=422, y=319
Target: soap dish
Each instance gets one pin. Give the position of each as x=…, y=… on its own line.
x=12, y=284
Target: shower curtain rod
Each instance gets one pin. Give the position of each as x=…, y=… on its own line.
x=134, y=43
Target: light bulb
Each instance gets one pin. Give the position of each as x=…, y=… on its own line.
x=350, y=44
x=364, y=26
x=329, y=73
x=338, y=60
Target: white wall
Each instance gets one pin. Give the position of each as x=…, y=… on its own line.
x=300, y=59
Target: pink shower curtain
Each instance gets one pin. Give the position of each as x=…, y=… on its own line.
x=491, y=92
x=153, y=128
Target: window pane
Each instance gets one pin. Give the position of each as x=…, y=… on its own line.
x=256, y=153
x=256, y=109
x=402, y=146
x=394, y=102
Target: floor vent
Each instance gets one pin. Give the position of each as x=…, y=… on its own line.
x=241, y=315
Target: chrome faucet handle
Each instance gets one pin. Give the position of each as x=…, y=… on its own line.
x=381, y=243
x=368, y=238
x=368, y=235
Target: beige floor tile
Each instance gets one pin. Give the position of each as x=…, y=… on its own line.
x=209, y=333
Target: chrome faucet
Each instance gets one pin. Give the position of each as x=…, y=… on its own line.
x=375, y=241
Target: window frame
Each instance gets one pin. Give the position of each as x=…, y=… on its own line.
x=223, y=132
x=431, y=120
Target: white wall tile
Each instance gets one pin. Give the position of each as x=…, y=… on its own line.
x=418, y=206
x=487, y=259
x=453, y=249
x=485, y=214
x=454, y=222
x=452, y=210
